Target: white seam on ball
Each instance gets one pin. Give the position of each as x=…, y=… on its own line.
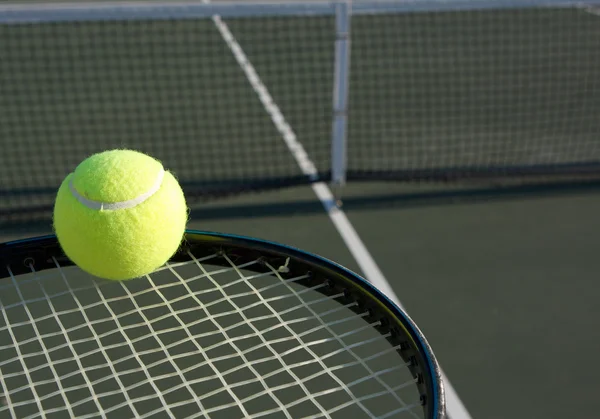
x=112, y=206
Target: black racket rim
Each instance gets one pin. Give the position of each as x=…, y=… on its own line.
x=44, y=252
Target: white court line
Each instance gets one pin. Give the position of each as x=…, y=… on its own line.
x=456, y=409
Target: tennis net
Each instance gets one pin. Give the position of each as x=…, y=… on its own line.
x=475, y=89
x=437, y=90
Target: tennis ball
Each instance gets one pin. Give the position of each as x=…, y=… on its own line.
x=120, y=215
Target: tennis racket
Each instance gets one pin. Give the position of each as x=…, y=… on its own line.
x=231, y=327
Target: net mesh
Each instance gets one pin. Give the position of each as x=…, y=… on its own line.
x=195, y=339
x=444, y=90
x=460, y=91
x=172, y=89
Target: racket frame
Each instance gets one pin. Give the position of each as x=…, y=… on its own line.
x=43, y=253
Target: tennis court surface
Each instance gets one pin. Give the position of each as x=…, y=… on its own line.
x=499, y=271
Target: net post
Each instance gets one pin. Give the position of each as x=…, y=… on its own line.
x=340, y=97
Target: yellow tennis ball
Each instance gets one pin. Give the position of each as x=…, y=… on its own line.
x=120, y=215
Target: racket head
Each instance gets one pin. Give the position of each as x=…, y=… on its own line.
x=35, y=272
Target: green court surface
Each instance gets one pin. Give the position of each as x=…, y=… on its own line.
x=503, y=283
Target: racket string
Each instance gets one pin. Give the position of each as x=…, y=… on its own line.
x=165, y=351
x=132, y=311
x=276, y=273
x=111, y=363
x=274, y=352
x=349, y=349
x=117, y=315
x=32, y=385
